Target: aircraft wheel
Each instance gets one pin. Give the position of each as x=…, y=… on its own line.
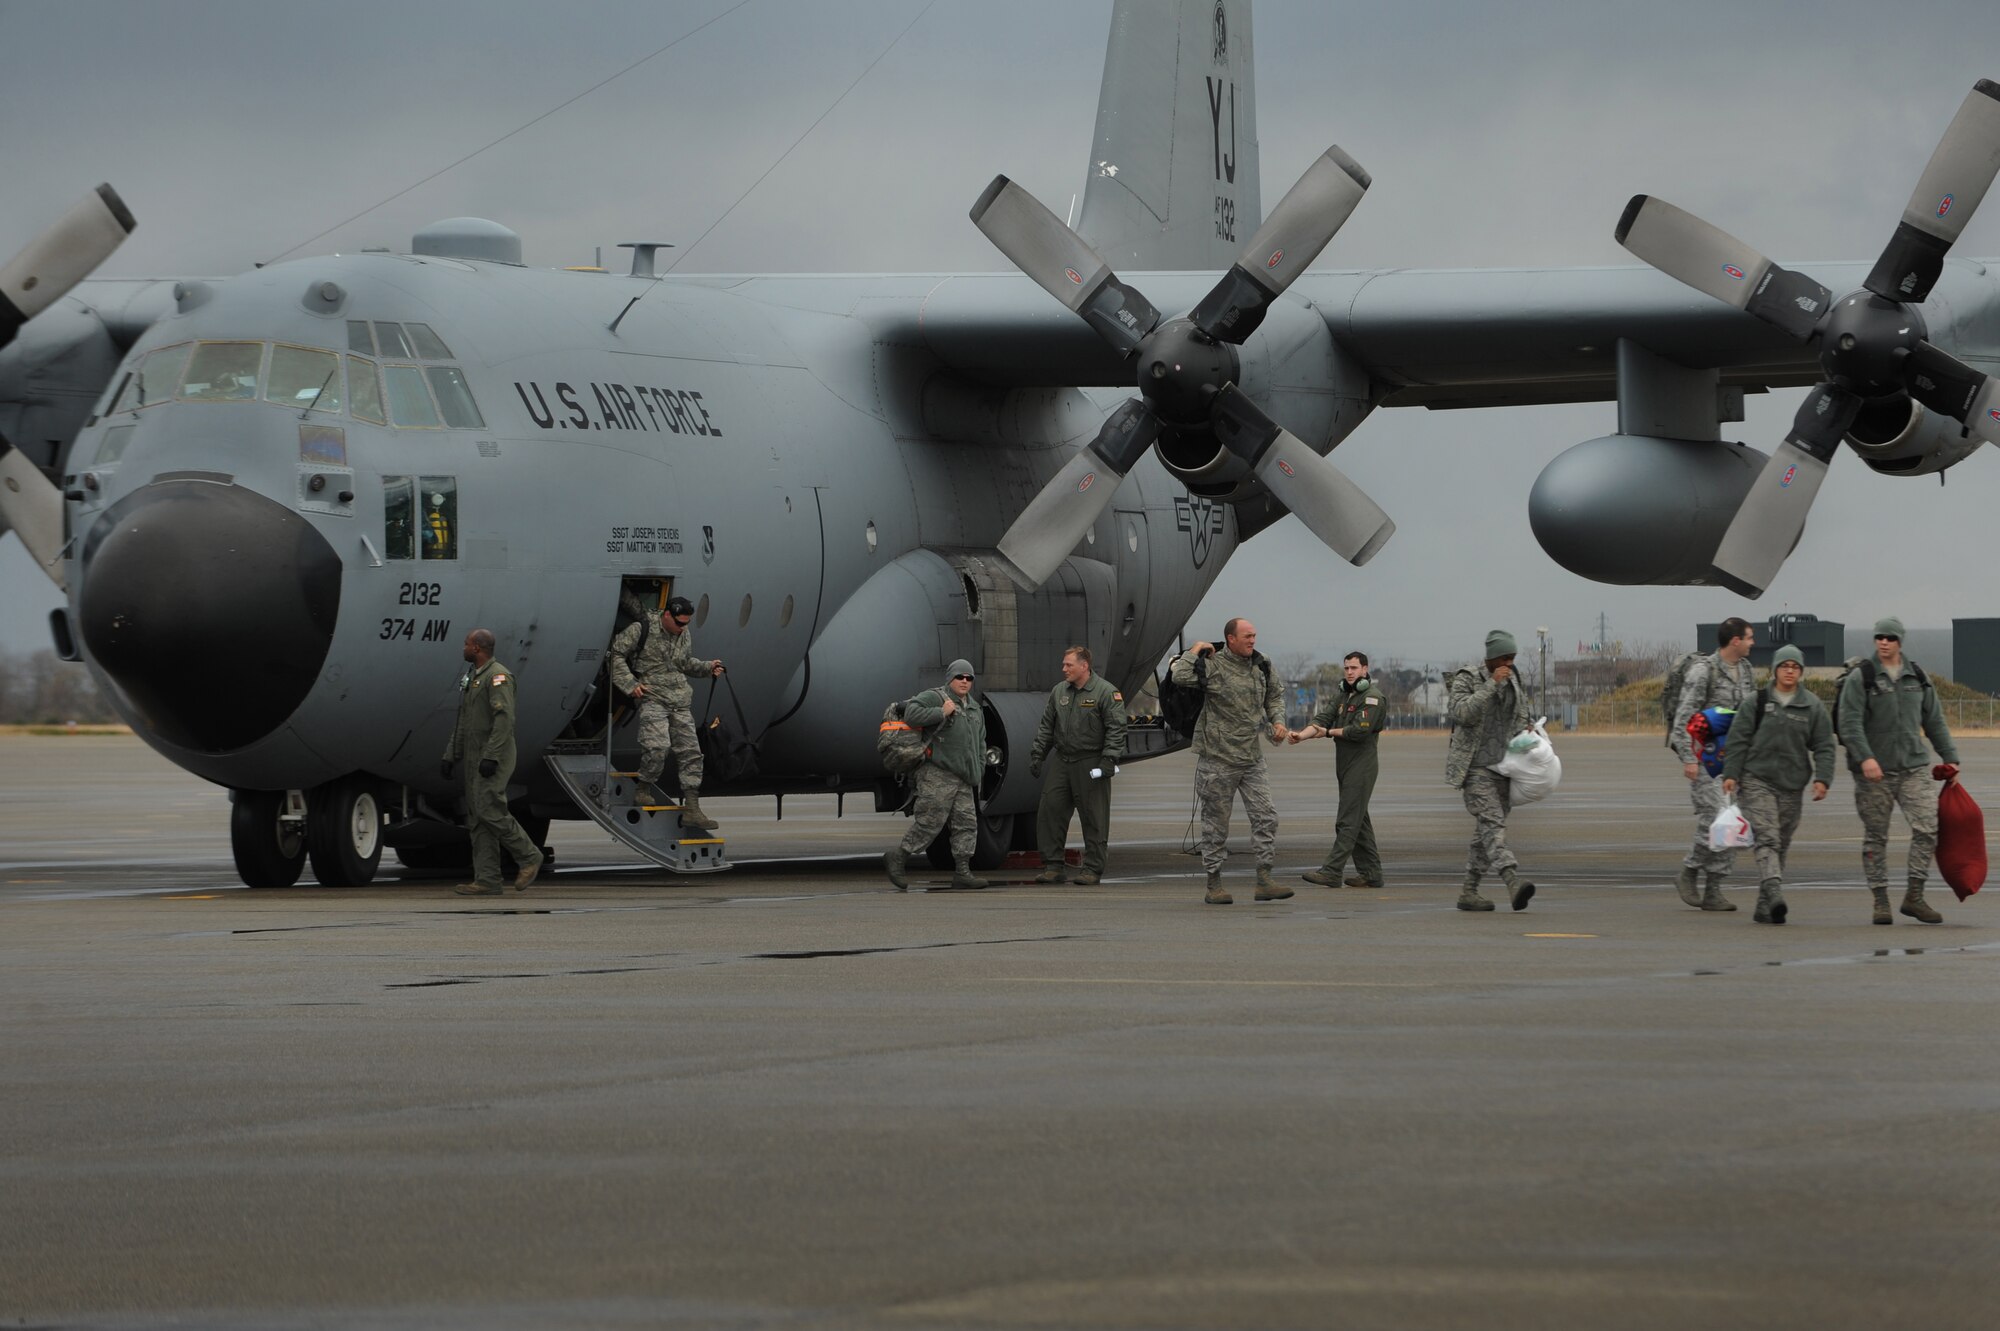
x=344, y=832
x=996, y=833
x=268, y=851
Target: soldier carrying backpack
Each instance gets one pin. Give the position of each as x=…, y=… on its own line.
x=1724, y=679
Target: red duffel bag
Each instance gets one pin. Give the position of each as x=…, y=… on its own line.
x=1961, y=844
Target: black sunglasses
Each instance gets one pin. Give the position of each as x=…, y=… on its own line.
x=961, y=677
x=1887, y=637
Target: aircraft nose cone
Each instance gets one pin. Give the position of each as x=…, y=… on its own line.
x=211, y=607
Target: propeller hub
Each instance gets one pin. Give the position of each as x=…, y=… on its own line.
x=1866, y=342
x=1181, y=370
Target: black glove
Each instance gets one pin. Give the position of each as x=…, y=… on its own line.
x=444, y=768
x=1035, y=768
x=487, y=767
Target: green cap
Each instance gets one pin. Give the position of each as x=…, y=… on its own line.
x=1499, y=643
x=1788, y=653
x=1891, y=626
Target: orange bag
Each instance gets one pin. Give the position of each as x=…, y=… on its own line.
x=1961, y=844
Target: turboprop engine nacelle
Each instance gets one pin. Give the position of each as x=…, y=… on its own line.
x=1640, y=510
x=1903, y=438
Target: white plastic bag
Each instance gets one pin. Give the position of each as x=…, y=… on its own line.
x=1730, y=830
x=1532, y=770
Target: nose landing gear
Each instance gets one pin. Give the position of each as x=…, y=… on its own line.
x=338, y=826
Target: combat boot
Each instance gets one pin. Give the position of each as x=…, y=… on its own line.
x=1089, y=878
x=527, y=875
x=1324, y=877
x=475, y=890
x=892, y=864
x=1771, y=907
x=1361, y=882
x=648, y=794
x=1711, y=895
x=964, y=880
x=1882, y=915
x=1268, y=890
x=1916, y=907
x=1519, y=890
x=1216, y=896
x=1689, y=886
x=1050, y=875
x=1469, y=898
x=691, y=814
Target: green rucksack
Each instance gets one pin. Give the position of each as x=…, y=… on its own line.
x=1670, y=692
x=902, y=746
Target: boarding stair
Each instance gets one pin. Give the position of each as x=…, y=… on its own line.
x=610, y=797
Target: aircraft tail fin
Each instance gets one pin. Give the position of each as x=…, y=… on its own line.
x=1173, y=169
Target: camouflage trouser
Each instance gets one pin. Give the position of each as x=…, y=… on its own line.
x=1912, y=788
x=664, y=728
x=1488, y=798
x=941, y=798
x=1706, y=792
x=493, y=829
x=1774, y=817
x=1215, y=788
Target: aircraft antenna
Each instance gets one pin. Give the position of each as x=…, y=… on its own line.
x=510, y=133
x=802, y=138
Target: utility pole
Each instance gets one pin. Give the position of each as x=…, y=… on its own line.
x=1543, y=634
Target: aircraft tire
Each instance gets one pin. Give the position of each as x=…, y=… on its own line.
x=268, y=853
x=344, y=832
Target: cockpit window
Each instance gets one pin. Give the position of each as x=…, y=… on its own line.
x=308, y=380
x=428, y=344
x=439, y=498
x=358, y=338
x=409, y=400
x=364, y=390
x=159, y=374
x=391, y=341
x=223, y=372
x=454, y=398
x=399, y=517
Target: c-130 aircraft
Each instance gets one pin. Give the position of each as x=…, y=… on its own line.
x=861, y=478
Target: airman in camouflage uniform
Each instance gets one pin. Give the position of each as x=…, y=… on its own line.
x=1724, y=679
x=483, y=739
x=947, y=784
x=1488, y=708
x=1085, y=724
x=1352, y=718
x=1243, y=702
x=1885, y=713
x=653, y=661
x=1781, y=738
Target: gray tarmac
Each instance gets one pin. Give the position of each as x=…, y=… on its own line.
x=790, y=1096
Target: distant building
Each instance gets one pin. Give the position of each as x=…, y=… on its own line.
x=1975, y=653
x=1822, y=641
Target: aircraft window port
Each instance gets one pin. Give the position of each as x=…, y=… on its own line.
x=785, y=613
x=440, y=519
x=453, y=396
x=428, y=344
x=743, y=615
x=159, y=375
x=302, y=378
x=113, y=447
x=391, y=342
x=409, y=401
x=359, y=338
x=701, y=611
x=223, y=372
x=364, y=390
x=399, y=517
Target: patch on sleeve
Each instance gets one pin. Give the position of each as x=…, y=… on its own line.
x=498, y=680
x=1374, y=702
x=1116, y=696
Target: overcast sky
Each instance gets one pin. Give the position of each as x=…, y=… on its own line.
x=1498, y=136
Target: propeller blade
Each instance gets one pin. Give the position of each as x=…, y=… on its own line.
x=1063, y=264
x=56, y=260
x=33, y=508
x=1712, y=261
x=1955, y=180
x=1773, y=513
x=1056, y=519
x=1318, y=493
x=1946, y=384
x=1290, y=239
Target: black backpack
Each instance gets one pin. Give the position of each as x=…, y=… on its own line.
x=1180, y=704
x=626, y=620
